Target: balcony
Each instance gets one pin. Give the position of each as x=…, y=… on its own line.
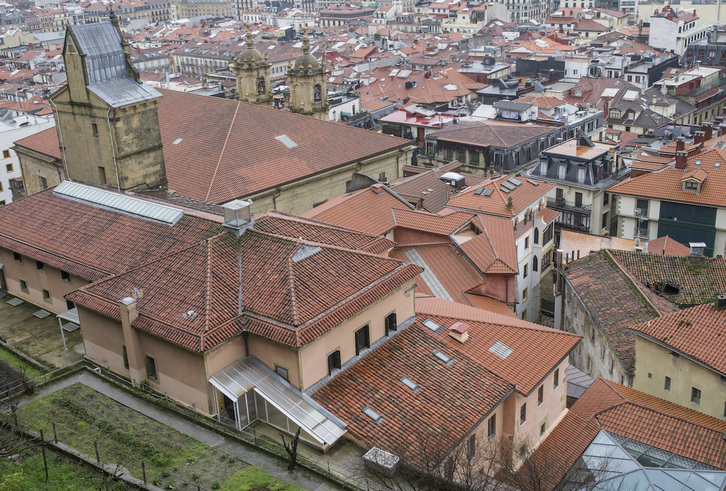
x=571, y=217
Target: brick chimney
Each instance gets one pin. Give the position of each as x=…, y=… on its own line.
x=707, y=131
x=459, y=331
x=680, y=144
x=681, y=160
x=698, y=137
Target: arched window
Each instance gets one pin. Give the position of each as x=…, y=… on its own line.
x=535, y=264
x=316, y=92
x=536, y=235
x=261, y=85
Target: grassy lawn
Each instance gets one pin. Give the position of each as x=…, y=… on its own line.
x=82, y=416
x=18, y=364
x=254, y=478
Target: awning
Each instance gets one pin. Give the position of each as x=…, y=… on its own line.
x=70, y=316
x=246, y=374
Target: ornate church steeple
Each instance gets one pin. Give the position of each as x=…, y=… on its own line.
x=252, y=72
x=307, y=79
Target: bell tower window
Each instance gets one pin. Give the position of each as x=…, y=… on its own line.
x=316, y=92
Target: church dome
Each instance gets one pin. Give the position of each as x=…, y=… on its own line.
x=306, y=60
x=250, y=54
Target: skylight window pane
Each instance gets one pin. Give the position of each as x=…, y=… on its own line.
x=501, y=350
x=409, y=383
x=443, y=357
x=431, y=325
x=371, y=413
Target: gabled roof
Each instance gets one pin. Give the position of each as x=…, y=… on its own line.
x=190, y=298
x=494, y=250
x=638, y=416
x=698, y=332
x=420, y=426
x=91, y=241
x=429, y=222
x=667, y=247
x=666, y=184
x=523, y=196
x=614, y=300
x=699, y=280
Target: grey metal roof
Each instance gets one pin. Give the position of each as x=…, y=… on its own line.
x=118, y=202
x=248, y=374
x=106, y=65
x=512, y=106
x=123, y=91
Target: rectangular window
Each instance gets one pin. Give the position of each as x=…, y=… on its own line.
x=542, y=429
x=151, y=371
x=492, y=426
x=282, y=372
x=101, y=175
x=94, y=129
x=391, y=324
x=8, y=167
x=540, y=395
x=557, y=379
x=695, y=395
x=43, y=183
x=523, y=413
x=526, y=270
x=471, y=447
x=333, y=361
x=125, y=356
x=362, y=339
x=23, y=286
x=667, y=385
x=70, y=305
x=46, y=295
x=6, y=154
x=524, y=295
x=578, y=200
x=66, y=276
x=40, y=266
x=526, y=242
x=18, y=258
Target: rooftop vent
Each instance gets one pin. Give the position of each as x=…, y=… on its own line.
x=238, y=215
x=501, y=350
x=443, y=357
x=697, y=248
x=721, y=302
x=459, y=331
x=371, y=413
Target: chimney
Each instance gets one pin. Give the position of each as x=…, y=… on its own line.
x=459, y=331
x=707, y=130
x=697, y=248
x=698, y=137
x=681, y=160
x=377, y=188
x=720, y=302
x=680, y=144
x=510, y=203
x=238, y=216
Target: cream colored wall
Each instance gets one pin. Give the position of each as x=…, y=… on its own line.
x=272, y=354
x=49, y=279
x=654, y=362
x=314, y=356
x=102, y=340
x=300, y=196
x=35, y=166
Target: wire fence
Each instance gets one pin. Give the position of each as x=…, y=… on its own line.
x=24, y=385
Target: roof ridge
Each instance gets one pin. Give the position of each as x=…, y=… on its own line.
x=293, y=290
x=221, y=152
x=316, y=223
x=208, y=293
x=634, y=282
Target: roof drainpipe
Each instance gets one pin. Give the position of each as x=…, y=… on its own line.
x=60, y=134
x=113, y=149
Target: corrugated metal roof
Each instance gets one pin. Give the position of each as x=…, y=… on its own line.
x=121, y=203
x=123, y=91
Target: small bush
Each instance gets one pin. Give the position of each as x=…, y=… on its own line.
x=231, y=459
x=216, y=485
x=105, y=426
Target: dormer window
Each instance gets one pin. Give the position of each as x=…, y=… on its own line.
x=543, y=168
x=580, y=174
x=614, y=113
x=562, y=171
x=692, y=186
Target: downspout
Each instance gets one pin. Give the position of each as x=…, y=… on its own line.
x=60, y=133
x=113, y=149
x=245, y=334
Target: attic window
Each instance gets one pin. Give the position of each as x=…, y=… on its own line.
x=717, y=164
x=177, y=141
x=371, y=413
x=443, y=357
x=432, y=325
x=410, y=384
x=501, y=350
x=286, y=140
x=698, y=162
x=692, y=186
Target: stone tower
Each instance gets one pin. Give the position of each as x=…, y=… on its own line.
x=308, y=84
x=252, y=72
x=107, y=121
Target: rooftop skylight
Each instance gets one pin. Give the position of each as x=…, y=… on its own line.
x=501, y=350
x=443, y=357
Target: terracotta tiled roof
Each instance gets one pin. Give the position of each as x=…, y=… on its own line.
x=666, y=185
x=615, y=300
x=367, y=210
x=429, y=222
x=698, y=280
x=297, y=287
x=89, y=241
x=667, y=246
x=489, y=133
x=494, y=250
x=452, y=271
x=548, y=215
x=489, y=304
x=699, y=332
x=524, y=196
x=419, y=426
x=632, y=414
x=45, y=142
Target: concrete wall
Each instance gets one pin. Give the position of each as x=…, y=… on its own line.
x=48, y=279
x=654, y=362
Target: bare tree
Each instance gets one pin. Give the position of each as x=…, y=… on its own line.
x=291, y=449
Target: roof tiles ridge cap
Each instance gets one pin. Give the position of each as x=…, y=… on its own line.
x=399, y=198
x=293, y=291
x=656, y=411
x=221, y=152
x=295, y=218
